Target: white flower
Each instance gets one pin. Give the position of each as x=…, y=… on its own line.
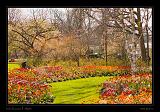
x=130, y=95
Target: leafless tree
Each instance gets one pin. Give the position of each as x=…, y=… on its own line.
x=116, y=22
x=147, y=16
x=33, y=34
x=89, y=26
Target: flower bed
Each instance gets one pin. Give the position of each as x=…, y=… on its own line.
x=136, y=89
x=57, y=73
x=31, y=85
x=26, y=86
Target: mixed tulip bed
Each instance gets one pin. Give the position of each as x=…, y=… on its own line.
x=58, y=73
x=26, y=86
x=128, y=89
x=31, y=86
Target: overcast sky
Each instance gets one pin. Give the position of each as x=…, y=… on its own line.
x=26, y=12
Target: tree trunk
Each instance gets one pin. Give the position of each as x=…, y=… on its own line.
x=124, y=55
x=106, y=46
x=148, y=58
x=78, y=63
x=16, y=55
x=125, y=49
x=143, y=50
x=133, y=51
x=104, y=32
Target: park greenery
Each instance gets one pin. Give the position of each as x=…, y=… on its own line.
x=80, y=56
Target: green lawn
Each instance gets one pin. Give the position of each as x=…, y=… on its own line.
x=13, y=66
x=74, y=91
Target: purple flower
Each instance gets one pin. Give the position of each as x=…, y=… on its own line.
x=49, y=75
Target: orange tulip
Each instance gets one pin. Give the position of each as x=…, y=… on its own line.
x=19, y=87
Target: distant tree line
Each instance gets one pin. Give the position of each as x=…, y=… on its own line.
x=68, y=34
